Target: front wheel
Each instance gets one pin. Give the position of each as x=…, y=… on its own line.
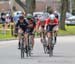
x=22, y=50
x=50, y=47
x=45, y=49
x=22, y=53
x=50, y=51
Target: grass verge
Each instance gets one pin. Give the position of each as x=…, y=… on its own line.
x=70, y=30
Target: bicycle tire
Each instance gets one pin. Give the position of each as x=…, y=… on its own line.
x=45, y=46
x=30, y=45
x=50, y=51
x=44, y=42
x=22, y=48
x=28, y=53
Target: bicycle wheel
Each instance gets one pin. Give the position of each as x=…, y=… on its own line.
x=28, y=48
x=50, y=50
x=44, y=42
x=22, y=48
x=44, y=45
x=55, y=39
x=26, y=51
x=30, y=44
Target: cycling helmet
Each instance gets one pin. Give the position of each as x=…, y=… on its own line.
x=29, y=16
x=42, y=19
x=21, y=17
x=52, y=17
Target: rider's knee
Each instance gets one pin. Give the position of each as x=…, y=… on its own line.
x=49, y=35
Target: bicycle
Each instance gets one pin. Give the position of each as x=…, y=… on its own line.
x=29, y=46
x=22, y=45
x=43, y=39
x=51, y=43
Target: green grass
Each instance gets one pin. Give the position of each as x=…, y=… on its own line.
x=70, y=30
x=5, y=36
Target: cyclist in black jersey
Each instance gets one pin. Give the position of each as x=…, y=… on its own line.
x=21, y=27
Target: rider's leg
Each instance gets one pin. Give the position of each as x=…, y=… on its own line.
x=32, y=40
x=55, y=34
x=19, y=36
x=49, y=34
x=42, y=34
x=26, y=39
x=55, y=29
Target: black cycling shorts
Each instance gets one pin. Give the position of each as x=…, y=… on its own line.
x=30, y=31
x=49, y=28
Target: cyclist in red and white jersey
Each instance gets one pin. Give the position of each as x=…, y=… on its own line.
x=40, y=25
x=51, y=25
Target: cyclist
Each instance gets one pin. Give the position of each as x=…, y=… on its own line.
x=51, y=25
x=30, y=30
x=21, y=27
x=40, y=25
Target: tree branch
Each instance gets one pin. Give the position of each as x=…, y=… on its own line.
x=22, y=5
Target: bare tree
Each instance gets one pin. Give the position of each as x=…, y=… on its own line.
x=29, y=7
x=64, y=8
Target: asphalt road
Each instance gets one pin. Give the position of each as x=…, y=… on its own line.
x=64, y=52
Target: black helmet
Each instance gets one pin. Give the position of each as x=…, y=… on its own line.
x=21, y=17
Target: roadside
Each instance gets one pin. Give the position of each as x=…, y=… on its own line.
x=70, y=31
x=60, y=39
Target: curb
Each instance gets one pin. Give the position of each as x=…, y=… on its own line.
x=35, y=37
x=8, y=39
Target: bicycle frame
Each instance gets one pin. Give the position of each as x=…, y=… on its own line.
x=51, y=42
x=29, y=46
x=22, y=45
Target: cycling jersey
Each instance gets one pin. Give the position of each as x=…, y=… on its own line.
x=39, y=23
x=50, y=25
x=30, y=29
x=23, y=25
x=48, y=21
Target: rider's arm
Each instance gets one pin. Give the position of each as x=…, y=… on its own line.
x=56, y=22
x=47, y=21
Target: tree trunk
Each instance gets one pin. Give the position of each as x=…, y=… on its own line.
x=63, y=14
x=29, y=7
x=22, y=5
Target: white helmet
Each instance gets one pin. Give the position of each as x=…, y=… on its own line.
x=29, y=14
x=7, y=15
x=52, y=16
x=42, y=19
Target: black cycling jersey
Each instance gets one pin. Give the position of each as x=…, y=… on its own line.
x=23, y=25
x=30, y=29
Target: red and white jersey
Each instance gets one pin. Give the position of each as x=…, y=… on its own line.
x=54, y=22
x=39, y=23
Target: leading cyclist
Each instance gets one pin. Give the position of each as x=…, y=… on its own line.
x=21, y=27
x=51, y=25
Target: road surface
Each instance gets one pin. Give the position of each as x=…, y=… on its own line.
x=64, y=52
